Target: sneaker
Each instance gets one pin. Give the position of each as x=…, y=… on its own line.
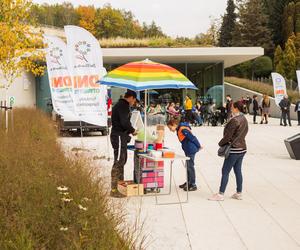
x=191, y=188
x=217, y=197
x=261, y=122
x=237, y=196
x=116, y=194
x=281, y=124
x=182, y=185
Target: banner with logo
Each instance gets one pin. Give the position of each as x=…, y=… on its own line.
x=60, y=79
x=86, y=65
x=279, y=87
x=298, y=77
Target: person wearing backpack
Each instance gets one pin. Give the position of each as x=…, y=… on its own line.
x=190, y=146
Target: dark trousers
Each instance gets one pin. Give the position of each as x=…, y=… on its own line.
x=189, y=116
x=298, y=113
x=119, y=144
x=233, y=161
x=191, y=170
x=286, y=115
x=254, y=115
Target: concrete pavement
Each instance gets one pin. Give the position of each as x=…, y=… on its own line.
x=267, y=218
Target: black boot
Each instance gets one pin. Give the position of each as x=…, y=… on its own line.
x=182, y=185
x=191, y=188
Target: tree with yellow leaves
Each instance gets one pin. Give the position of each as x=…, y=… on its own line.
x=20, y=43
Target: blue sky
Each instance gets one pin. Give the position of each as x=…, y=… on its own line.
x=176, y=17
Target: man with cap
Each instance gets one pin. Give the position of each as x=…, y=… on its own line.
x=120, y=137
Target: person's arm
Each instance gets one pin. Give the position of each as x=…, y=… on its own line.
x=229, y=131
x=125, y=121
x=191, y=137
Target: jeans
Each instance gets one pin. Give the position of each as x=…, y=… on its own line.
x=191, y=170
x=198, y=119
x=233, y=161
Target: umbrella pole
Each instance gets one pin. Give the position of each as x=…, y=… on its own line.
x=145, y=123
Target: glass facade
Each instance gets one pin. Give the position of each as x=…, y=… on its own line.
x=208, y=77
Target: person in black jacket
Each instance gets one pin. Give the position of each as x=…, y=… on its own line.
x=285, y=109
x=255, y=108
x=297, y=109
x=120, y=137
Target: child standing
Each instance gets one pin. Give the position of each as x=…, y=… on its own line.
x=190, y=146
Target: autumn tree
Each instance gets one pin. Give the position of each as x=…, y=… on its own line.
x=109, y=22
x=297, y=46
x=289, y=59
x=18, y=41
x=87, y=16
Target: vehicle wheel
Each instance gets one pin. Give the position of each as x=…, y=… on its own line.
x=104, y=132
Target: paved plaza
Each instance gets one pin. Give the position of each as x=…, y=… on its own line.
x=267, y=218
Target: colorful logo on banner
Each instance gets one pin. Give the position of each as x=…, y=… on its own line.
x=86, y=65
x=279, y=85
x=60, y=78
x=82, y=48
x=56, y=54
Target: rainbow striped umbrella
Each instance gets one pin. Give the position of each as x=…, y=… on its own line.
x=145, y=75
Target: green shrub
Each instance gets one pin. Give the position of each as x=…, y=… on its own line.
x=262, y=66
x=260, y=87
x=34, y=213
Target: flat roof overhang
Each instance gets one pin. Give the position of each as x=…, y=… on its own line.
x=229, y=55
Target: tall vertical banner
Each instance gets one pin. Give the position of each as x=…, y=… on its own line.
x=60, y=79
x=86, y=65
x=298, y=77
x=279, y=87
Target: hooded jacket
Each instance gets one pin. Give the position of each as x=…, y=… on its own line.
x=189, y=143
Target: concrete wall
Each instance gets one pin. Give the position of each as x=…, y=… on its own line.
x=237, y=92
x=23, y=89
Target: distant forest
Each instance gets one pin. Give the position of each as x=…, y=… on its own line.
x=271, y=24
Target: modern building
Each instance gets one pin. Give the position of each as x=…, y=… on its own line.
x=204, y=66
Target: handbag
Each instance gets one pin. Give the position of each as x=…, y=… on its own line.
x=224, y=151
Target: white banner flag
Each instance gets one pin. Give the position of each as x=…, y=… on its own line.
x=298, y=77
x=86, y=65
x=279, y=87
x=60, y=79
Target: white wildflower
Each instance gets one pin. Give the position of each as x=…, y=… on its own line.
x=64, y=193
x=86, y=199
x=64, y=229
x=62, y=188
x=66, y=199
x=82, y=207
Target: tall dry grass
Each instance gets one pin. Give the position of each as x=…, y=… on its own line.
x=260, y=87
x=153, y=42
x=34, y=213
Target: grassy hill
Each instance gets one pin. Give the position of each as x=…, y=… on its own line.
x=260, y=87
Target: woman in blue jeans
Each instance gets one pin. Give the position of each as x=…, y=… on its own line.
x=235, y=133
